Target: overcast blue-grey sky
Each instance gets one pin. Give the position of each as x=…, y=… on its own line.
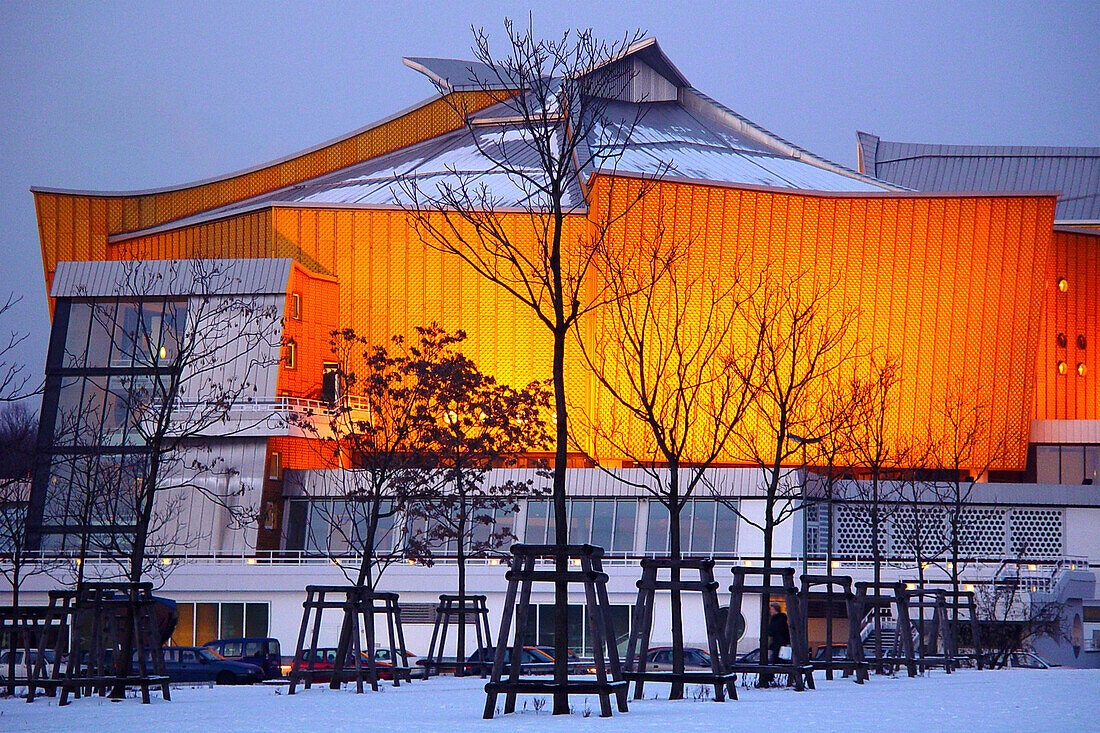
x=114, y=95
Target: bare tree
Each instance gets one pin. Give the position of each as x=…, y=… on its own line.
x=1014, y=614
x=552, y=98
x=878, y=453
x=476, y=425
x=374, y=443
x=665, y=356
x=804, y=342
x=18, y=433
x=14, y=381
x=964, y=447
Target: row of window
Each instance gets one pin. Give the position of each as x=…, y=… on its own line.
x=203, y=622
x=1067, y=464
x=621, y=526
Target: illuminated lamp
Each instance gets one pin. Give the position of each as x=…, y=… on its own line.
x=1061, y=367
x=166, y=561
x=1081, y=368
x=1063, y=284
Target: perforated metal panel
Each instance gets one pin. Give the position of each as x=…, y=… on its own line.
x=985, y=532
x=1037, y=532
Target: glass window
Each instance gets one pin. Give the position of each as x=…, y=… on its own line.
x=725, y=530
x=580, y=521
x=102, y=325
x=1092, y=464
x=187, y=656
x=1047, y=470
x=76, y=337
x=656, y=539
x=603, y=523
x=229, y=648
x=537, y=523
x=126, y=334
x=184, y=634
x=1073, y=464
x=206, y=622
x=702, y=527
x=232, y=621
x=625, y=515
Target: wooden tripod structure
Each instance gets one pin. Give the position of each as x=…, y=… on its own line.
x=359, y=607
x=109, y=621
x=831, y=590
x=460, y=611
x=637, y=650
x=799, y=671
x=524, y=573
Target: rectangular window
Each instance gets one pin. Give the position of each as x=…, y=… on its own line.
x=291, y=355
x=537, y=523
x=626, y=513
x=296, y=306
x=1092, y=465
x=656, y=539
x=275, y=467
x=184, y=635
x=1047, y=469
x=231, y=624
x=1073, y=464
x=540, y=627
x=206, y=623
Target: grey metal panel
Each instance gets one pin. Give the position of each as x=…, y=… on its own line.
x=169, y=277
x=1074, y=171
x=460, y=74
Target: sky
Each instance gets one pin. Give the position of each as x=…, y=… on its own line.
x=121, y=96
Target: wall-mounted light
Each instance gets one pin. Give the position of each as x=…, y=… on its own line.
x=166, y=561
x=1062, y=367
x=1062, y=340
x=1063, y=284
x=1081, y=368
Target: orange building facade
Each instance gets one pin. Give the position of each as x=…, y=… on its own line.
x=954, y=286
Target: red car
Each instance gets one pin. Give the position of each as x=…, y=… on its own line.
x=324, y=660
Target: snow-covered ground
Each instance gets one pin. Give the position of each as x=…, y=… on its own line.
x=1009, y=700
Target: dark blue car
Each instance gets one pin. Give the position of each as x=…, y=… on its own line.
x=263, y=652
x=199, y=664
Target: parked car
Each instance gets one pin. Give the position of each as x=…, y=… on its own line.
x=22, y=669
x=324, y=661
x=840, y=653
x=575, y=663
x=263, y=652
x=751, y=657
x=659, y=659
x=387, y=657
x=1024, y=660
x=199, y=664
x=532, y=660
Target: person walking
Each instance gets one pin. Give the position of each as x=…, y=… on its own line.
x=779, y=636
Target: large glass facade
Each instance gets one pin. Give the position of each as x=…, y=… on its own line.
x=111, y=363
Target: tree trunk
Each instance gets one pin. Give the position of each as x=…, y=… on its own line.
x=674, y=541
x=461, y=558
x=561, y=530
x=363, y=580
